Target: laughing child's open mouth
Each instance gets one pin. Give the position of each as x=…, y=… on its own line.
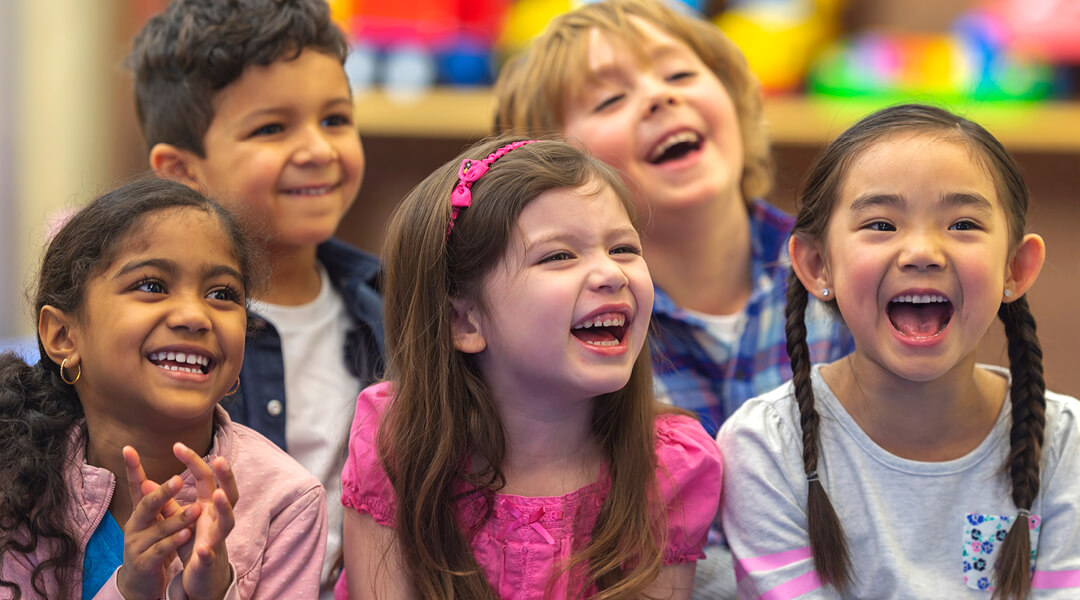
x=920, y=315
x=607, y=329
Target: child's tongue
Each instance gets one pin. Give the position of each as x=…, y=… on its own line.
x=594, y=334
x=919, y=320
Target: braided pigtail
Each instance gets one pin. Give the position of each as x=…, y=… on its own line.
x=827, y=542
x=1028, y=393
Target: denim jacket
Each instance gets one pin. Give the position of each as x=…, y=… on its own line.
x=260, y=402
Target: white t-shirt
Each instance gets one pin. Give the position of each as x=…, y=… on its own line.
x=915, y=530
x=320, y=394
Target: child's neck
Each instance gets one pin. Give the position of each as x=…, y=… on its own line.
x=700, y=256
x=550, y=450
x=106, y=438
x=294, y=276
x=931, y=421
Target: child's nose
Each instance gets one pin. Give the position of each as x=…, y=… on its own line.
x=660, y=101
x=608, y=276
x=922, y=250
x=314, y=147
x=189, y=314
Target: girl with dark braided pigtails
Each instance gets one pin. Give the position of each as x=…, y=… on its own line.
x=907, y=470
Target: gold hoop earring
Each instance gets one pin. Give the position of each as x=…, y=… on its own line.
x=235, y=388
x=78, y=374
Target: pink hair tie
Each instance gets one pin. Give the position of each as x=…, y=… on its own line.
x=470, y=171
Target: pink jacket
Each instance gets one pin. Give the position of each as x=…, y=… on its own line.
x=276, y=548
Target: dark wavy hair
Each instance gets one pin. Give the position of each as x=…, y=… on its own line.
x=188, y=53
x=37, y=409
x=1028, y=389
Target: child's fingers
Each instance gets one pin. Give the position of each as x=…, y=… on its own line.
x=204, y=476
x=148, y=509
x=226, y=481
x=171, y=507
x=163, y=551
x=136, y=477
x=226, y=520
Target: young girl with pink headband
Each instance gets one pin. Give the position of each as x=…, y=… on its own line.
x=517, y=450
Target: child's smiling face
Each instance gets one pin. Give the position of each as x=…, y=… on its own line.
x=161, y=335
x=661, y=116
x=282, y=145
x=917, y=254
x=567, y=309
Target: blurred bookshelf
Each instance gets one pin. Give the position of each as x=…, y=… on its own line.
x=467, y=114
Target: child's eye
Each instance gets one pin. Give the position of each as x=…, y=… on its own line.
x=964, y=225
x=149, y=285
x=626, y=249
x=270, y=129
x=881, y=226
x=556, y=257
x=226, y=293
x=609, y=101
x=337, y=120
x=681, y=75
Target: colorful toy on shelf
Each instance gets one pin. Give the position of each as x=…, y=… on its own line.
x=526, y=20
x=973, y=61
x=780, y=38
x=407, y=47
x=1046, y=28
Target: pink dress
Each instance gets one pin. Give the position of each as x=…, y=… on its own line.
x=526, y=537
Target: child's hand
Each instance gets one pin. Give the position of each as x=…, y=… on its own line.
x=154, y=532
x=207, y=573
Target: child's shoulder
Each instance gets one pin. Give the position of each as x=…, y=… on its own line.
x=773, y=411
x=685, y=451
x=1062, y=422
x=257, y=460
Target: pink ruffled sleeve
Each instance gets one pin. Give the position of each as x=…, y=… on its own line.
x=365, y=487
x=689, y=475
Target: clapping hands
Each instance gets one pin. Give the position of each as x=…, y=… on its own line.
x=160, y=529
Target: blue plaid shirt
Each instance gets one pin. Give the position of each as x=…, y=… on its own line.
x=696, y=371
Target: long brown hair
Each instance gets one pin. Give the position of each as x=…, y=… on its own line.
x=1028, y=389
x=443, y=412
x=532, y=88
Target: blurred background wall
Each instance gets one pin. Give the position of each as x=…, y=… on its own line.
x=421, y=70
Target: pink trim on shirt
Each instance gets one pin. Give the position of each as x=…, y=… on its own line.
x=1055, y=580
x=793, y=588
x=769, y=562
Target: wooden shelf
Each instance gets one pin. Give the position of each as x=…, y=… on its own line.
x=467, y=114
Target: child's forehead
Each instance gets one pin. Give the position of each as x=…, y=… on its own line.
x=177, y=227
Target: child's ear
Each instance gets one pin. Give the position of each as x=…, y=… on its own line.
x=172, y=162
x=1023, y=269
x=466, y=327
x=56, y=329
x=808, y=263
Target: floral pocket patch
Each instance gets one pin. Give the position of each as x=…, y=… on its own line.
x=983, y=534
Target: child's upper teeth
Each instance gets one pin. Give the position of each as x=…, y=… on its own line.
x=181, y=357
x=671, y=140
x=920, y=299
x=603, y=321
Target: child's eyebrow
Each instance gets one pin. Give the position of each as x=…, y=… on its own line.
x=170, y=268
x=868, y=201
x=566, y=237
x=969, y=200
x=161, y=264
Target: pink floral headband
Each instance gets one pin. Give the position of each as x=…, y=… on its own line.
x=470, y=171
